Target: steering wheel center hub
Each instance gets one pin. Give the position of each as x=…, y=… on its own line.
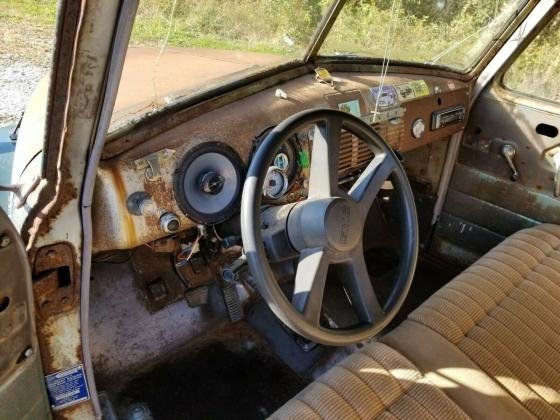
x=333, y=223
x=343, y=227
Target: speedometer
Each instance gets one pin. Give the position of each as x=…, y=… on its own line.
x=275, y=183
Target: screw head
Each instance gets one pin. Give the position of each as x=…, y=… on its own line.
x=4, y=241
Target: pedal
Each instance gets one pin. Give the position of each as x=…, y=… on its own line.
x=197, y=297
x=232, y=301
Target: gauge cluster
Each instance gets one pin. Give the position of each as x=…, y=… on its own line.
x=285, y=180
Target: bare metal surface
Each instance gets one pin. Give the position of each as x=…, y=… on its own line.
x=126, y=337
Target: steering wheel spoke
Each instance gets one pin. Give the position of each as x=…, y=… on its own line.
x=367, y=186
x=323, y=177
x=311, y=277
x=356, y=281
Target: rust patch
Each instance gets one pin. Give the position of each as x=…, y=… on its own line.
x=78, y=411
x=53, y=279
x=162, y=194
x=54, y=296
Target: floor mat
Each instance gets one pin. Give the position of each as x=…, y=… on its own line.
x=232, y=374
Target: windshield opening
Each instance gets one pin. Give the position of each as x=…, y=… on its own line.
x=180, y=47
x=448, y=33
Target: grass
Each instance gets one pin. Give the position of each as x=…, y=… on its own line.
x=26, y=30
x=248, y=25
x=283, y=27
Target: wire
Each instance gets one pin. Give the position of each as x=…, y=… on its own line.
x=216, y=233
x=391, y=32
x=193, y=247
x=161, y=50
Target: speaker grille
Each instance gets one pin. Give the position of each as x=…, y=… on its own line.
x=356, y=154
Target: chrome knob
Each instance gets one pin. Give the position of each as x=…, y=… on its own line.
x=169, y=223
x=508, y=152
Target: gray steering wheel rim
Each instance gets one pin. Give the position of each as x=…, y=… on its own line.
x=256, y=254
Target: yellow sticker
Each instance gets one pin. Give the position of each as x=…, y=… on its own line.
x=420, y=88
x=323, y=75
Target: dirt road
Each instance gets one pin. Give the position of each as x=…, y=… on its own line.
x=178, y=69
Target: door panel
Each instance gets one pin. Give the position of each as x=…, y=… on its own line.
x=22, y=390
x=484, y=204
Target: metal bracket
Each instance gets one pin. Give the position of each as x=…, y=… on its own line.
x=152, y=163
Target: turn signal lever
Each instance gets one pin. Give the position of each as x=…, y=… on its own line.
x=508, y=152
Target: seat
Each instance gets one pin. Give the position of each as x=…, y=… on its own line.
x=487, y=345
x=375, y=382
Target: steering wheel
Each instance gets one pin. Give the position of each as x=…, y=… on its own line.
x=327, y=228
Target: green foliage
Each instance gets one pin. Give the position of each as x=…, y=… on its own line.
x=537, y=70
x=448, y=32
x=250, y=25
x=26, y=30
x=428, y=31
x=38, y=13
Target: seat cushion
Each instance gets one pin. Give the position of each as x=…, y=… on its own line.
x=503, y=314
x=486, y=346
x=375, y=382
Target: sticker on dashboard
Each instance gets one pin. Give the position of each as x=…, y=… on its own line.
x=388, y=97
x=67, y=387
x=420, y=88
x=404, y=92
x=412, y=89
x=352, y=107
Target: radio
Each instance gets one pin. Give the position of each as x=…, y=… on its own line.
x=446, y=117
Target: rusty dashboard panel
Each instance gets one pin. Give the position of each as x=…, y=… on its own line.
x=144, y=190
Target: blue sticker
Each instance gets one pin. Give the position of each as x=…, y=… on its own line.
x=352, y=107
x=67, y=387
x=388, y=96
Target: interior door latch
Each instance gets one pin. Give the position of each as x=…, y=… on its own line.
x=508, y=152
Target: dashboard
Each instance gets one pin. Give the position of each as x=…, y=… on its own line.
x=192, y=174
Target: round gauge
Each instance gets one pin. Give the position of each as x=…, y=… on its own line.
x=282, y=161
x=418, y=128
x=286, y=157
x=275, y=183
x=208, y=183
